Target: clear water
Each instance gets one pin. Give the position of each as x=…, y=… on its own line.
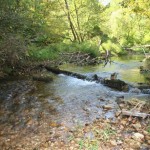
x=68, y=100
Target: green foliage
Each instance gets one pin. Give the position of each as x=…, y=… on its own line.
x=111, y=46
x=107, y=132
x=53, y=51
x=47, y=28
x=12, y=51
x=129, y=22
x=86, y=47
x=40, y=54
x=88, y=144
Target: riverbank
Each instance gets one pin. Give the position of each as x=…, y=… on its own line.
x=121, y=132
x=104, y=134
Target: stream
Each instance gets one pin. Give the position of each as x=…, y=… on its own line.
x=31, y=109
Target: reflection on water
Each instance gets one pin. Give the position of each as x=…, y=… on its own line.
x=126, y=67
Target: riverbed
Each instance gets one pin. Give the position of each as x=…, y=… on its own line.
x=31, y=110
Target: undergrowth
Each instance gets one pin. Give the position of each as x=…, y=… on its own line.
x=53, y=51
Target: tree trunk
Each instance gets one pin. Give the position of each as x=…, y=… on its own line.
x=78, y=24
x=75, y=34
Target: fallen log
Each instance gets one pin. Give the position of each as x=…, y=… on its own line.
x=134, y=114
x=80, y=58
x=68, y=73
x=115, y=84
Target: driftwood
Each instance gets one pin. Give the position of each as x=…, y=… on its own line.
x=79, y=58
x=115, y=84
x=134, y=114
x=58, y=71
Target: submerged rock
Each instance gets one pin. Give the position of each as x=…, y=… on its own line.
x=135, y=90
x=146, y=91
x=43, y=78
x=108, y=107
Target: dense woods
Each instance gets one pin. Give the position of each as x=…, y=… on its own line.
x=37, y=30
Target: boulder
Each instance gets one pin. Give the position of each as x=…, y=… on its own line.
x=146, y=91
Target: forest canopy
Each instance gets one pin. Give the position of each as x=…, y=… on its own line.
x=39, y=29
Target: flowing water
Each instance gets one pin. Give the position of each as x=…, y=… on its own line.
x=27, y=106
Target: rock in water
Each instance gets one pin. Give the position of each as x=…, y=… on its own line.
x=146, y=91
x=108, y=107
x=117, y=84
x=44, y=78
x=135, y=90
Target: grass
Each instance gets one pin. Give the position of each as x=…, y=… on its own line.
x=88, y=144
x=53, y=51
x=100, y=135
x=106, y=133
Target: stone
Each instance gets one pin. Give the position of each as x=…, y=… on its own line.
x=146, y=91
x=117, y=113
x=132, y=143
x=145, y=132
x=119, y=142
x=135, y=90
x=138, y=136
x=147, y=137
x=89, y=135
x=123, y=122
x=108, y=107
x=113, y=143
x=122, y=105
x=43, y=78
x=137, y=126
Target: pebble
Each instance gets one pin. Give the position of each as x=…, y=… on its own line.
x=147, y=137
x=123, y=122
x=145, y=132
x=138, y=136
x=113, y=142
x=137, y=126
x=108, y=107
x=133, y=144
x=118, y=113
x=89, y=135
x=119, y=142
x=122, y=105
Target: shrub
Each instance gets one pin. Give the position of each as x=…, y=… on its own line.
x=12, y=51
x=53, y=50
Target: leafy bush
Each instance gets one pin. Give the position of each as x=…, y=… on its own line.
x=40, y=54
x=114, y=48
x=53, y=50
x=12, y=51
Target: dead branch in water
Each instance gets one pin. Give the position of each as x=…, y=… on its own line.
x=115, y=84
